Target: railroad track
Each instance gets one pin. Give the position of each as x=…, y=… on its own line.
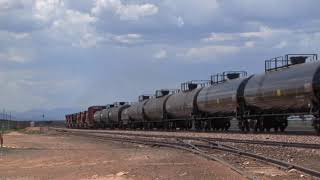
x=258, y=142
x=196, y=148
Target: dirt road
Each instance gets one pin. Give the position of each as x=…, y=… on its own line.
x=52, y=156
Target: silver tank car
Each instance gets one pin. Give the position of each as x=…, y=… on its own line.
x=291, y=89
x=220, y=98
x=154, y=109
x=114, y=115
x=183, y=104
x=125, y=116
x=97, y=116
x=104, y=115
x=135, y=111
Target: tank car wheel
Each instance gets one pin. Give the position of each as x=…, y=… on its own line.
x=227, y=125
x=241, y=125
x=316, y=125
x=247, y=125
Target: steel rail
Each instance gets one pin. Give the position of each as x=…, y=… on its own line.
x=194, y=148
x=242, y=141
x=180, y=146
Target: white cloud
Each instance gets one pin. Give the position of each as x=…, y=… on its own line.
x=75, y=28
x=27, y=89
x=215, y=50
x=11, y=4
x=128, y=38
x=14, y=55
x=249, y=44
x=219, y=37
x=191, y=11
x=14, y=35
x=46, y=10
x=124, y=11
x=161, y=54
x=180, y=21
x=281, y=45
x=263, y=32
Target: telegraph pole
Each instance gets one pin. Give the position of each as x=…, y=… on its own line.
x=2, y=130
x=8, y=123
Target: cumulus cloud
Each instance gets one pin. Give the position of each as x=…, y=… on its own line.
x=215, y=50
x=219, y=37
x=249, y=44
x=160, y=54
x=193, y=12
x=281, y=45
x=27, y=89
x=58, y=34
x=124, y=11
x=6, y=5
x=46, y=10
x=180, y=21
x=14, y=35
x=14, y=55
x=128, y=38
x=264, y=32
x=75, y=28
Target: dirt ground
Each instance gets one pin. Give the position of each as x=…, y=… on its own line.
x=53, y=156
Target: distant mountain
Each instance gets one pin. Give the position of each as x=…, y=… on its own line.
x=37, y=114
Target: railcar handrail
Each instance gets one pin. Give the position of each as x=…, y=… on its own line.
x=288, y=60
x=163, y=92
x=193, y=84
x=227, y=75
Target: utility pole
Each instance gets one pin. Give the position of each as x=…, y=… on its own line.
x=8, y=123
x=3, y=121
x=9, y=120
x=2, y=130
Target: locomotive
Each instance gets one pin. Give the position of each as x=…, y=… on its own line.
x=289, y=86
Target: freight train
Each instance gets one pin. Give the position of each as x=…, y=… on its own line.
x=289, y=86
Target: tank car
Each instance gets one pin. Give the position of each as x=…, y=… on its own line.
x=136, y=112
x=105, y=115
x=154, y=108
x=182, y=106
x=289, y=86
x=90, y=122
x=219, y=103
x=97, y=118
x=114, y=115
x=125, y=118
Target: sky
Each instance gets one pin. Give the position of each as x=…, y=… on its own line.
x=73, y=54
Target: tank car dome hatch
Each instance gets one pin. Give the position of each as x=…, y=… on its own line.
x=288, y=60
x=163, y=92
x=143, y=97
x=227, y=75
x=110, y=106
x=121, y=103
x=194, y=84
x=298, y=59
x=233, y=75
